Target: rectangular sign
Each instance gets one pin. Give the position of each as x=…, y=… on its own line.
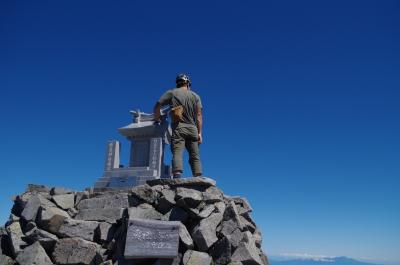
x=147, y=238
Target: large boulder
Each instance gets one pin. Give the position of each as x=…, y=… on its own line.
x=192, y=257
x=46, y=239
x=204, y=234
x=32, y=206
x=33, y=255
x=76, y=251
x=78, y=228
x=51, y=218
x=15, y=236
x=65, y=201
x=110, y=215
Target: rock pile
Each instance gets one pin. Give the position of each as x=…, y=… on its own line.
x=61, y=226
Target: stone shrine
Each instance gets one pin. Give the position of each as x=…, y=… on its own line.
x=146, y=162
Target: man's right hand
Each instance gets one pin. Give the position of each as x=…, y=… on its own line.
x=200, y=138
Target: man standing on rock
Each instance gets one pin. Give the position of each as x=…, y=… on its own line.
x=187, y=121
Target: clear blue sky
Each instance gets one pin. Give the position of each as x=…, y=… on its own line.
x=301, y=105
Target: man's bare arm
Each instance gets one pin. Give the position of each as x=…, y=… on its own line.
x=157, y=111
x=200, y=124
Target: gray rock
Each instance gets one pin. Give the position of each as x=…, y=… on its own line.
x=178, y=214
x=37, y=188
x=212, y=195
x=231, y=213
x=235, y=238
x=15, y=235
x=32, y=207
x=167, y=201
x=82, y=195
x=78, y=228
x=220, y=206
x=204, y=235
x=60, y=191
x=144, y=211
x=207, y=211
x=151, y=239
x=192, y=257
x=235, y=263
x=76, y=251
x=242, y=205
x=105, y=202
x=183, y=182
x=190, y=197
x=158, y=188
x=105, y=231
x=46, y=239
x=221, y=251
x=257, y=238
x=33, y=255
x=248, y=226
x=110, y=215
x=185, y=237
x=145, y=193
x=72, y=212
x=51, y=218
x=227, y=227
x=6, y=260
x=108, y=262
x=64, y=201
x=248, y=254
x=175, y=261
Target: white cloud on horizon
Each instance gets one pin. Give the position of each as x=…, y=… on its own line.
x=307, y=256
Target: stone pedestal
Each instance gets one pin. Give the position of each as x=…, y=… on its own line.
x=146, y=161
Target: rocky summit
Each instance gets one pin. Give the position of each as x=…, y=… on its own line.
x=62, y=226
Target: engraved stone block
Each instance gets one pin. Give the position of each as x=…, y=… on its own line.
x=152, y=239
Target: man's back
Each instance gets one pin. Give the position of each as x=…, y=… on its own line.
x=188, y=99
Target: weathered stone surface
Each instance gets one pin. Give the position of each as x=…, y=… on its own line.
x=185, y=237
x=231, y=214
x=6, y=260
x=76, y=251
x=65, y=201
x=178, y=214
x=145, y=193
x=144, y=211
x=78, y=228
x=167, y=201
x=220, y=206
x=15, y=235
x=257, y=238
x=235, y=263
x=207, y=211
x=110, y=215
x=190, y=197
x=192, y=257
x=204, y=235
x=32, y=207
x=60, y=191
x=37, y=188
x=221, y=251
x=151, y=239
x=242, y=205
x=235, y=238
x=51, y=218
x=183, y=182
x=105, y=231
x=105, y=202
x=79, y=196
x=212, y=194
x=247, y=225
x=247, y=252
x=46, y=239
x=33, y=255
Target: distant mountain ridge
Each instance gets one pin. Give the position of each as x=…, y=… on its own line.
x=319, y=261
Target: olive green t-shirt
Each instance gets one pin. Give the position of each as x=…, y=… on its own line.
x=190, y=101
